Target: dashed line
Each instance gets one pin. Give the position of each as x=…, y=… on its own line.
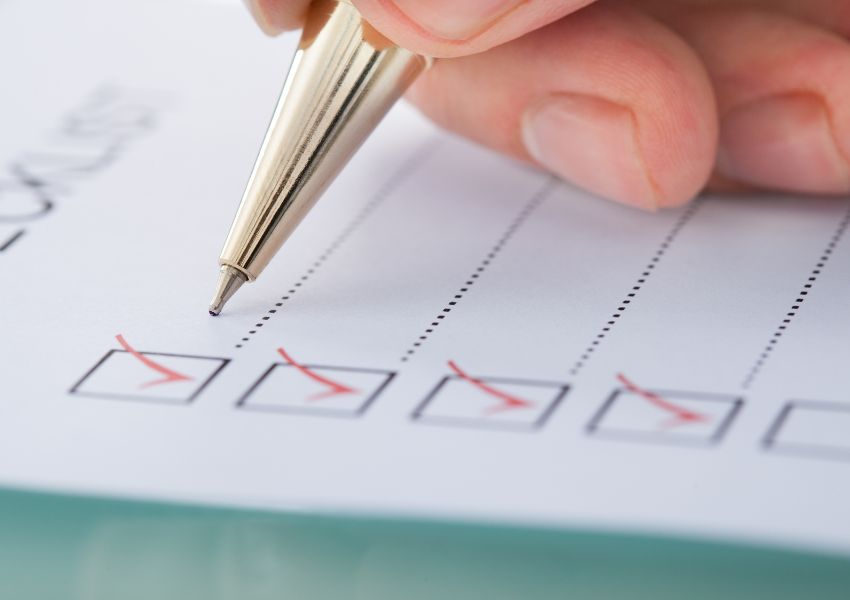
x=798, y=302
x=630, y=297
x=407, y=168
x=515, y=224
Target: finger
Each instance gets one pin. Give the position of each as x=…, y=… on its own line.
x=829, y=14
x=607, y=98
x=783, y=94
x=833, y=15
x=443, y=28
x=275, y=16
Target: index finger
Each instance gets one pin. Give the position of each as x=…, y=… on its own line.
x=438, y=28
x=446, y=28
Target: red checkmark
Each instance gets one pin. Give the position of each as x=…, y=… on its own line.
x=168, y=375
x=506, y=401
x=334, y=388
x=681, y=415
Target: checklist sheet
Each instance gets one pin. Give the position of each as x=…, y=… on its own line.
x=449, y=334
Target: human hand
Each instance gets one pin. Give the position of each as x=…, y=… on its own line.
x=645, y=102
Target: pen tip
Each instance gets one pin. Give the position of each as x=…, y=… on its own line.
x=229, y=280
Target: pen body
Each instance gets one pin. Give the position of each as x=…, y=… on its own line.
x=343, y=80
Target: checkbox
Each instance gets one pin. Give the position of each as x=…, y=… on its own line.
x=659, y=416
x=490, y=402
x=815, y=429
x=150, y=376
x=316, y=390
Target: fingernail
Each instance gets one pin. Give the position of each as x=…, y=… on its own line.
x=453, y=20
x=593, y=143
x=263, y=17
x=785, y=142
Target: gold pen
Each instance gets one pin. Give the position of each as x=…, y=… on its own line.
x=344, y=78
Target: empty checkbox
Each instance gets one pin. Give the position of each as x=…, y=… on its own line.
x=815, y=429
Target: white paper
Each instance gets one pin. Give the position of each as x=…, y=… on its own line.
x=464, y=337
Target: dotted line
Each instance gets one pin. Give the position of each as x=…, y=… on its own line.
x=798, y=302
x=406, y=169
x=638, y=285
x=517, y=222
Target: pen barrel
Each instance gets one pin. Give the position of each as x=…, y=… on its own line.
x=343, y=80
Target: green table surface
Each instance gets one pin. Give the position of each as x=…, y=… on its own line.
x=70, y=547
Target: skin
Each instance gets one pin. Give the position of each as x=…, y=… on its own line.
x=645, y=102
